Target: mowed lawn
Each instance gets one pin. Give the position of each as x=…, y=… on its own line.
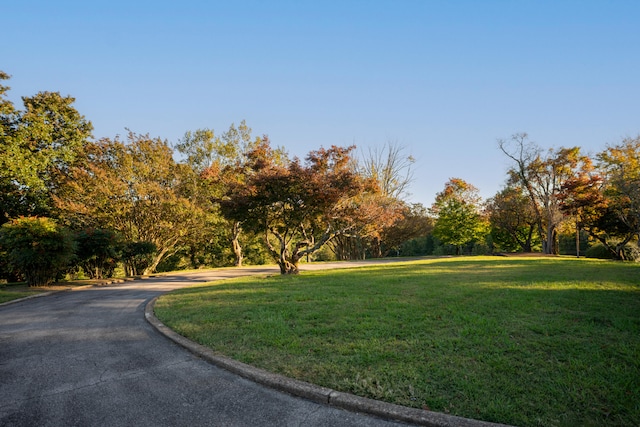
x=10, y=293
x=523, y=341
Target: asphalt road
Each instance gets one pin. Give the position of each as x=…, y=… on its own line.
x=89, y=358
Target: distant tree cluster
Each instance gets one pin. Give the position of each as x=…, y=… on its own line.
x=548, y=197
x=75, y=205
x=138, y=205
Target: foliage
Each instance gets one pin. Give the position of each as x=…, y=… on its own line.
x=219, y=161
x=512, y=220
x=390, y=220
x=138, y=256
x=458, y=217
x=418, y=246
x=136, y=189
x=567, y=243
x=38, y=248
x=542, y=176
x=522, y=341
x=98, y=252
x=414, y=222
x=297, y=207
x=600, y=251
x=38, y=145
x=619, y=219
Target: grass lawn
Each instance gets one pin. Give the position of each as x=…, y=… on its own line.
x=11, y=292
x=523, y=341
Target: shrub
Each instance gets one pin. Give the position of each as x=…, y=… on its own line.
x=631, y=252
x=98, y=252
x=37, y=248
x=137, y=256
x=480, y=248
x=599, y=251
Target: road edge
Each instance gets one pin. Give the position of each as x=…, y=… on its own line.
x=314, y=392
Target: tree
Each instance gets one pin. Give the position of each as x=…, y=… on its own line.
x=542, y=178
x=136, y=189
x=391, y=170
x=39, y=145
x=297, y=207
x=609, y=202
x=138, y=256
x=458, y=217
x=414, y=222
x=37, y=248
x=219, y=161
x=98, y=252
x=512, y=218
x=375, y=214
x=581, y=197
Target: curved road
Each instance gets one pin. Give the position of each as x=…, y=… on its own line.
x=89, y=358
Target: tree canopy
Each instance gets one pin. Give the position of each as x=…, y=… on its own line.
x=212, y=199
x=135, y=188
x=457, y=209
x=298, y=207
x=38, y=146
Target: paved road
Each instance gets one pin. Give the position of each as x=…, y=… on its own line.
x=89, y=358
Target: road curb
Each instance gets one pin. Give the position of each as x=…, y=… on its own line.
x=17, y=300
x=105, y=282
x=313, y=392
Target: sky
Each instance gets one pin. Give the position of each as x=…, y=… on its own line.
x=444, y=80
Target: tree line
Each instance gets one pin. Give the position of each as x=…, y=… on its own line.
x=547, y=197
x=74, y=204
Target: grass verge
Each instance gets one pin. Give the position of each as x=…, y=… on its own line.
x=10, y=292
x=523, y=341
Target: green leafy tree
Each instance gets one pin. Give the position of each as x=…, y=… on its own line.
x=138, y=256
x=98, y=252
x=38, y=248
x=39, y=145
x=217, y=161
x=458, y=214
x=513, y=220
x=136, y=189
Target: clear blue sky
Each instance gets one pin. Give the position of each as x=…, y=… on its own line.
x=445, y=79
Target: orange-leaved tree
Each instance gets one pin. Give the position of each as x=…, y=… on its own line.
x=296, y=206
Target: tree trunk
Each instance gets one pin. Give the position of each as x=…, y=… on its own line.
x=527, y=244
x=376, y=248
x=549, y=245
x=156, y=260
x=288, y=266
x=235, y=243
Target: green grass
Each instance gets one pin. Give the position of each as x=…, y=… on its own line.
x=12, y=292
x=523, y=341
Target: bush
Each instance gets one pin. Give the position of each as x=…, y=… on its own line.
x=137, y=256
x=631, y=252
x=480, y=248
x=37, y=248
x=98, y=252
x=567, y=243
x=599, y=251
